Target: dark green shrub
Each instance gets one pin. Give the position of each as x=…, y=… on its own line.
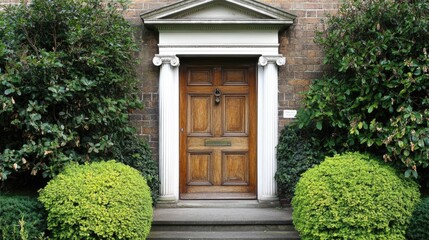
x=67, y=84
x=13, y=209
x=419, y=224
x=376, y=94
x=297, y=151
x=136, y=153
x=353, y=196
x=101, y=200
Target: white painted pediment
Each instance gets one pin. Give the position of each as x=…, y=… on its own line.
x=217, y=12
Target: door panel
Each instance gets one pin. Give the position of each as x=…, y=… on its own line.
x=235, y=168
x=234, y=76
x=218, y=129
x=200, y=115
x=235, y=116
x=200, y=76
x=199, y=168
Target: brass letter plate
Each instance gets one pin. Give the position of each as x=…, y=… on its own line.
x=217, y=143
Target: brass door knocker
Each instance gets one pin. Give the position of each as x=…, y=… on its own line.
x=217, y=94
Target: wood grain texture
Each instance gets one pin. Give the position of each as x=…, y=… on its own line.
x=218, y=140
x=235, y=76
x=200, y=76
x=200, y=111
x=235, y=168
x=199, y=168
x=235, y=115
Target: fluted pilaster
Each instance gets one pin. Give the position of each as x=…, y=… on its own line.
x=168, y=126
x=268, y=125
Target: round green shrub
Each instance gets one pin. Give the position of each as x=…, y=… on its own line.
x=101, y=200
x=13, y=209
x=419, y=224
x=353, y=196
x=136, y=153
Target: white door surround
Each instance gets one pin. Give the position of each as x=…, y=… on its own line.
x=234, y=28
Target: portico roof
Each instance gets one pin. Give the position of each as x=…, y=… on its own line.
x=217, y=12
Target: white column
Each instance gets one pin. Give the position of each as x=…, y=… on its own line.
x=168, y=126
x=268, y=125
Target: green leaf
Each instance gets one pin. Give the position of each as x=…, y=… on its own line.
x=406, y=153
x=9, y=91
x=408, y=173
x=319, y=125
x=418, y=72
x=53, y=89
x=421, y=143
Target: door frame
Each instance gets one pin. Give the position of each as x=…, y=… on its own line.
x=267, y=129
x=252, y=135
x=182, y=32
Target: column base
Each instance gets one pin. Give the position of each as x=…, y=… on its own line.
x=167, y=199
x=271, y=202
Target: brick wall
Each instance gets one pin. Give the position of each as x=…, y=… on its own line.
x=303, y=57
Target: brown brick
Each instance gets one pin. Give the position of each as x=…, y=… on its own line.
x=311, y=13
x=315, y=5
x=313, y=53
x=299, y=82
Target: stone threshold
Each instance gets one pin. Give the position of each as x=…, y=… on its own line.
x=223, y=216
x=219, y=204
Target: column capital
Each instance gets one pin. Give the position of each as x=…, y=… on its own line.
x=173, y=60
x=277, y=59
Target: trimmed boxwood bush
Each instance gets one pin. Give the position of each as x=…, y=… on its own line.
x=101, y=200
x=297, y=151
x=13, y=209
x=353, y=196
x=419, y=225
x=136, y=153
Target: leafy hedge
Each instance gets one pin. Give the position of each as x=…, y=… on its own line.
x=101, y=200
x=375, y=97
x=353, y=196
x=67, y=84
x=13, y=210
x=137, y=153
x=297, y=151
x=419, y=225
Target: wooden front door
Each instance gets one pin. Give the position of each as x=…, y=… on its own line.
x=218, y=129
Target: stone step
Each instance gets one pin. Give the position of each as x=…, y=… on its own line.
x=223, y=223
x=174, y=216
x=222, y=228
x=223, y=235
x=220, y=204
